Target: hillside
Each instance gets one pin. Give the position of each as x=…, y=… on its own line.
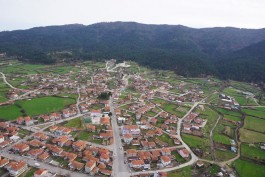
x=187, y=51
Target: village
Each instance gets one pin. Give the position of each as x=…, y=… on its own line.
x=116, y=122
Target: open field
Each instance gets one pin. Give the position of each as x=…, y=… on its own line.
x=10, y=112
x=249, y=136
x=229, y=112
x=248, y=169
x=252, y=152
x=255, y=124
x=44, y=105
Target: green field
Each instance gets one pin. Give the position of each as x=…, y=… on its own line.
x=76, y=123
x=224, y=155
x=10, y=112
x=211, y=116
x=255, y=124
x=256, y=113
x=252, y=152
x=249, y=136
x=183, y=172
x=44, y=105
x=248, y=169
x=229, y=112
x=232, y=118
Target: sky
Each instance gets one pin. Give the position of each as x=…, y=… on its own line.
x=24, y=14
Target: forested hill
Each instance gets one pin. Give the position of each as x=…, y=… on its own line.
x=187, y=51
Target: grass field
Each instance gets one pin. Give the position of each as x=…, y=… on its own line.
x=248, y=169
x=256, y=113
x=165, y=138
x=255, y=124
x=249, y=136
x=211, y=116
x=44, y=105
x=29, y=173
x=223, y=155
x=76, y=123
x=196, y=142
x=10, y=112
x=233, y=118
x=183, y=172
x=252, y=152
x=229, y=112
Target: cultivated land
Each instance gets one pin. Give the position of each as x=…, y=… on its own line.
x=131, y=119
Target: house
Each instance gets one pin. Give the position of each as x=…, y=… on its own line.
x=28, y=121
x=184, y=153
x=34, y=153
x=90, y=165
x=60, y=140
x=165, y=160
x=91, y=128
x=95, y=113
x=20, y=147
x=131, y=152
x=131, y=129
x=105, y=121
x=127, y=138
x=43, y=156
x=104, y=158
x=16, y=168
x=75, y=165
x=41, y=136
x=137, y=164
x=79, y=145
x=3, y=161
x=165, y=151
x=43, y=173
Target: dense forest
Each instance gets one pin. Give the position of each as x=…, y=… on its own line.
x=229, y=53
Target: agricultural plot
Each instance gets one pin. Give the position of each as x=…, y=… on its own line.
x=255, y=124
x=249, y=136
x=223, y=155
x=248, y=168
x=253, y=152
x=255, y=112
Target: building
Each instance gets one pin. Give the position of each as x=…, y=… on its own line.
x=90, y=165
x=16, y=168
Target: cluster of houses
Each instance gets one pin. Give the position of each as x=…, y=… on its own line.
x=193, y=124
x=78, y=154
x=149, y=139
x=8, y=134
x=153, y=159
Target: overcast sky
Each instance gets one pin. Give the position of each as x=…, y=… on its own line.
x=24, y=14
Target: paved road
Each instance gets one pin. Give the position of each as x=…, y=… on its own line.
x=119, y=168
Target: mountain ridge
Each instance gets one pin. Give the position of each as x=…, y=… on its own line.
x=187, y=51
